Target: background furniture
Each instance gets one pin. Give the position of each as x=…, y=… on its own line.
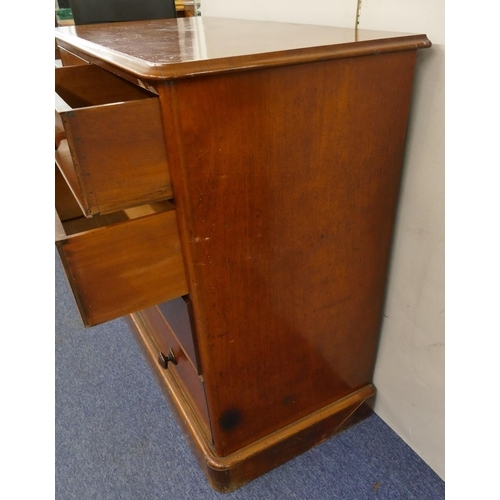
x=105, y=11
x=240, y=182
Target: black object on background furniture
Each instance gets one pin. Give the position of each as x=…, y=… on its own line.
x=108, y=11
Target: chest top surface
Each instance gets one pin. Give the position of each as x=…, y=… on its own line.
x=173, y=48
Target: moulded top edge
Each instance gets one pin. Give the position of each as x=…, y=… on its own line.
x=174, y=48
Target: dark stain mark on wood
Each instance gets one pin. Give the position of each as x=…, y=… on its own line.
x=230, y=419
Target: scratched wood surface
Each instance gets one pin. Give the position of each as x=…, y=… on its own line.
x=284, y=145
x=286, y=185
x=174, y=48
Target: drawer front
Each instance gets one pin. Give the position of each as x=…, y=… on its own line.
x=109, y=141
x=184, y=371
x=123, y=266
x=177, y=314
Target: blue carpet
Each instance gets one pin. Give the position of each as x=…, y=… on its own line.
x=116, y=438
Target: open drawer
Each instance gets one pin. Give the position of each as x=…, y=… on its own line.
x=123, y=262
x=109, y=140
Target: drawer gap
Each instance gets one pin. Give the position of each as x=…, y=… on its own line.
x=81, y=224
x=89, y=85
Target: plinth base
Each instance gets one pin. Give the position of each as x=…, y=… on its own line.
x=228, y=473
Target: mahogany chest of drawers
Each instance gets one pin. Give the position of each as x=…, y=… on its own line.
x=230, y=187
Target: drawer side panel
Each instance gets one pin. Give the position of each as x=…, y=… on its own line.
x=119, y=154
x=119, y=269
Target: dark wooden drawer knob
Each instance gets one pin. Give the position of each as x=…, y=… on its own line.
x=165, y=360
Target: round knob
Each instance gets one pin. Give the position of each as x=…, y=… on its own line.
x=165, y=360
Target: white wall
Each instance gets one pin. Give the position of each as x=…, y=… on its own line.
x=410, y=367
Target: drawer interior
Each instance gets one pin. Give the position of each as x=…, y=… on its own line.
x=89, y=85
x=82, y=224
x=74, y=222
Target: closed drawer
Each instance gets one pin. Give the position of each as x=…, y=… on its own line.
x=109, y=141
x=123, y=262
x=177, y=314
x=183, y=370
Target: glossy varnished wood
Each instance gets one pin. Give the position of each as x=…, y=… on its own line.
x=174, y=48
x=291, y=188
x=284, y=146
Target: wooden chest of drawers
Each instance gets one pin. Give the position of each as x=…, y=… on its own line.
x=231, y=186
